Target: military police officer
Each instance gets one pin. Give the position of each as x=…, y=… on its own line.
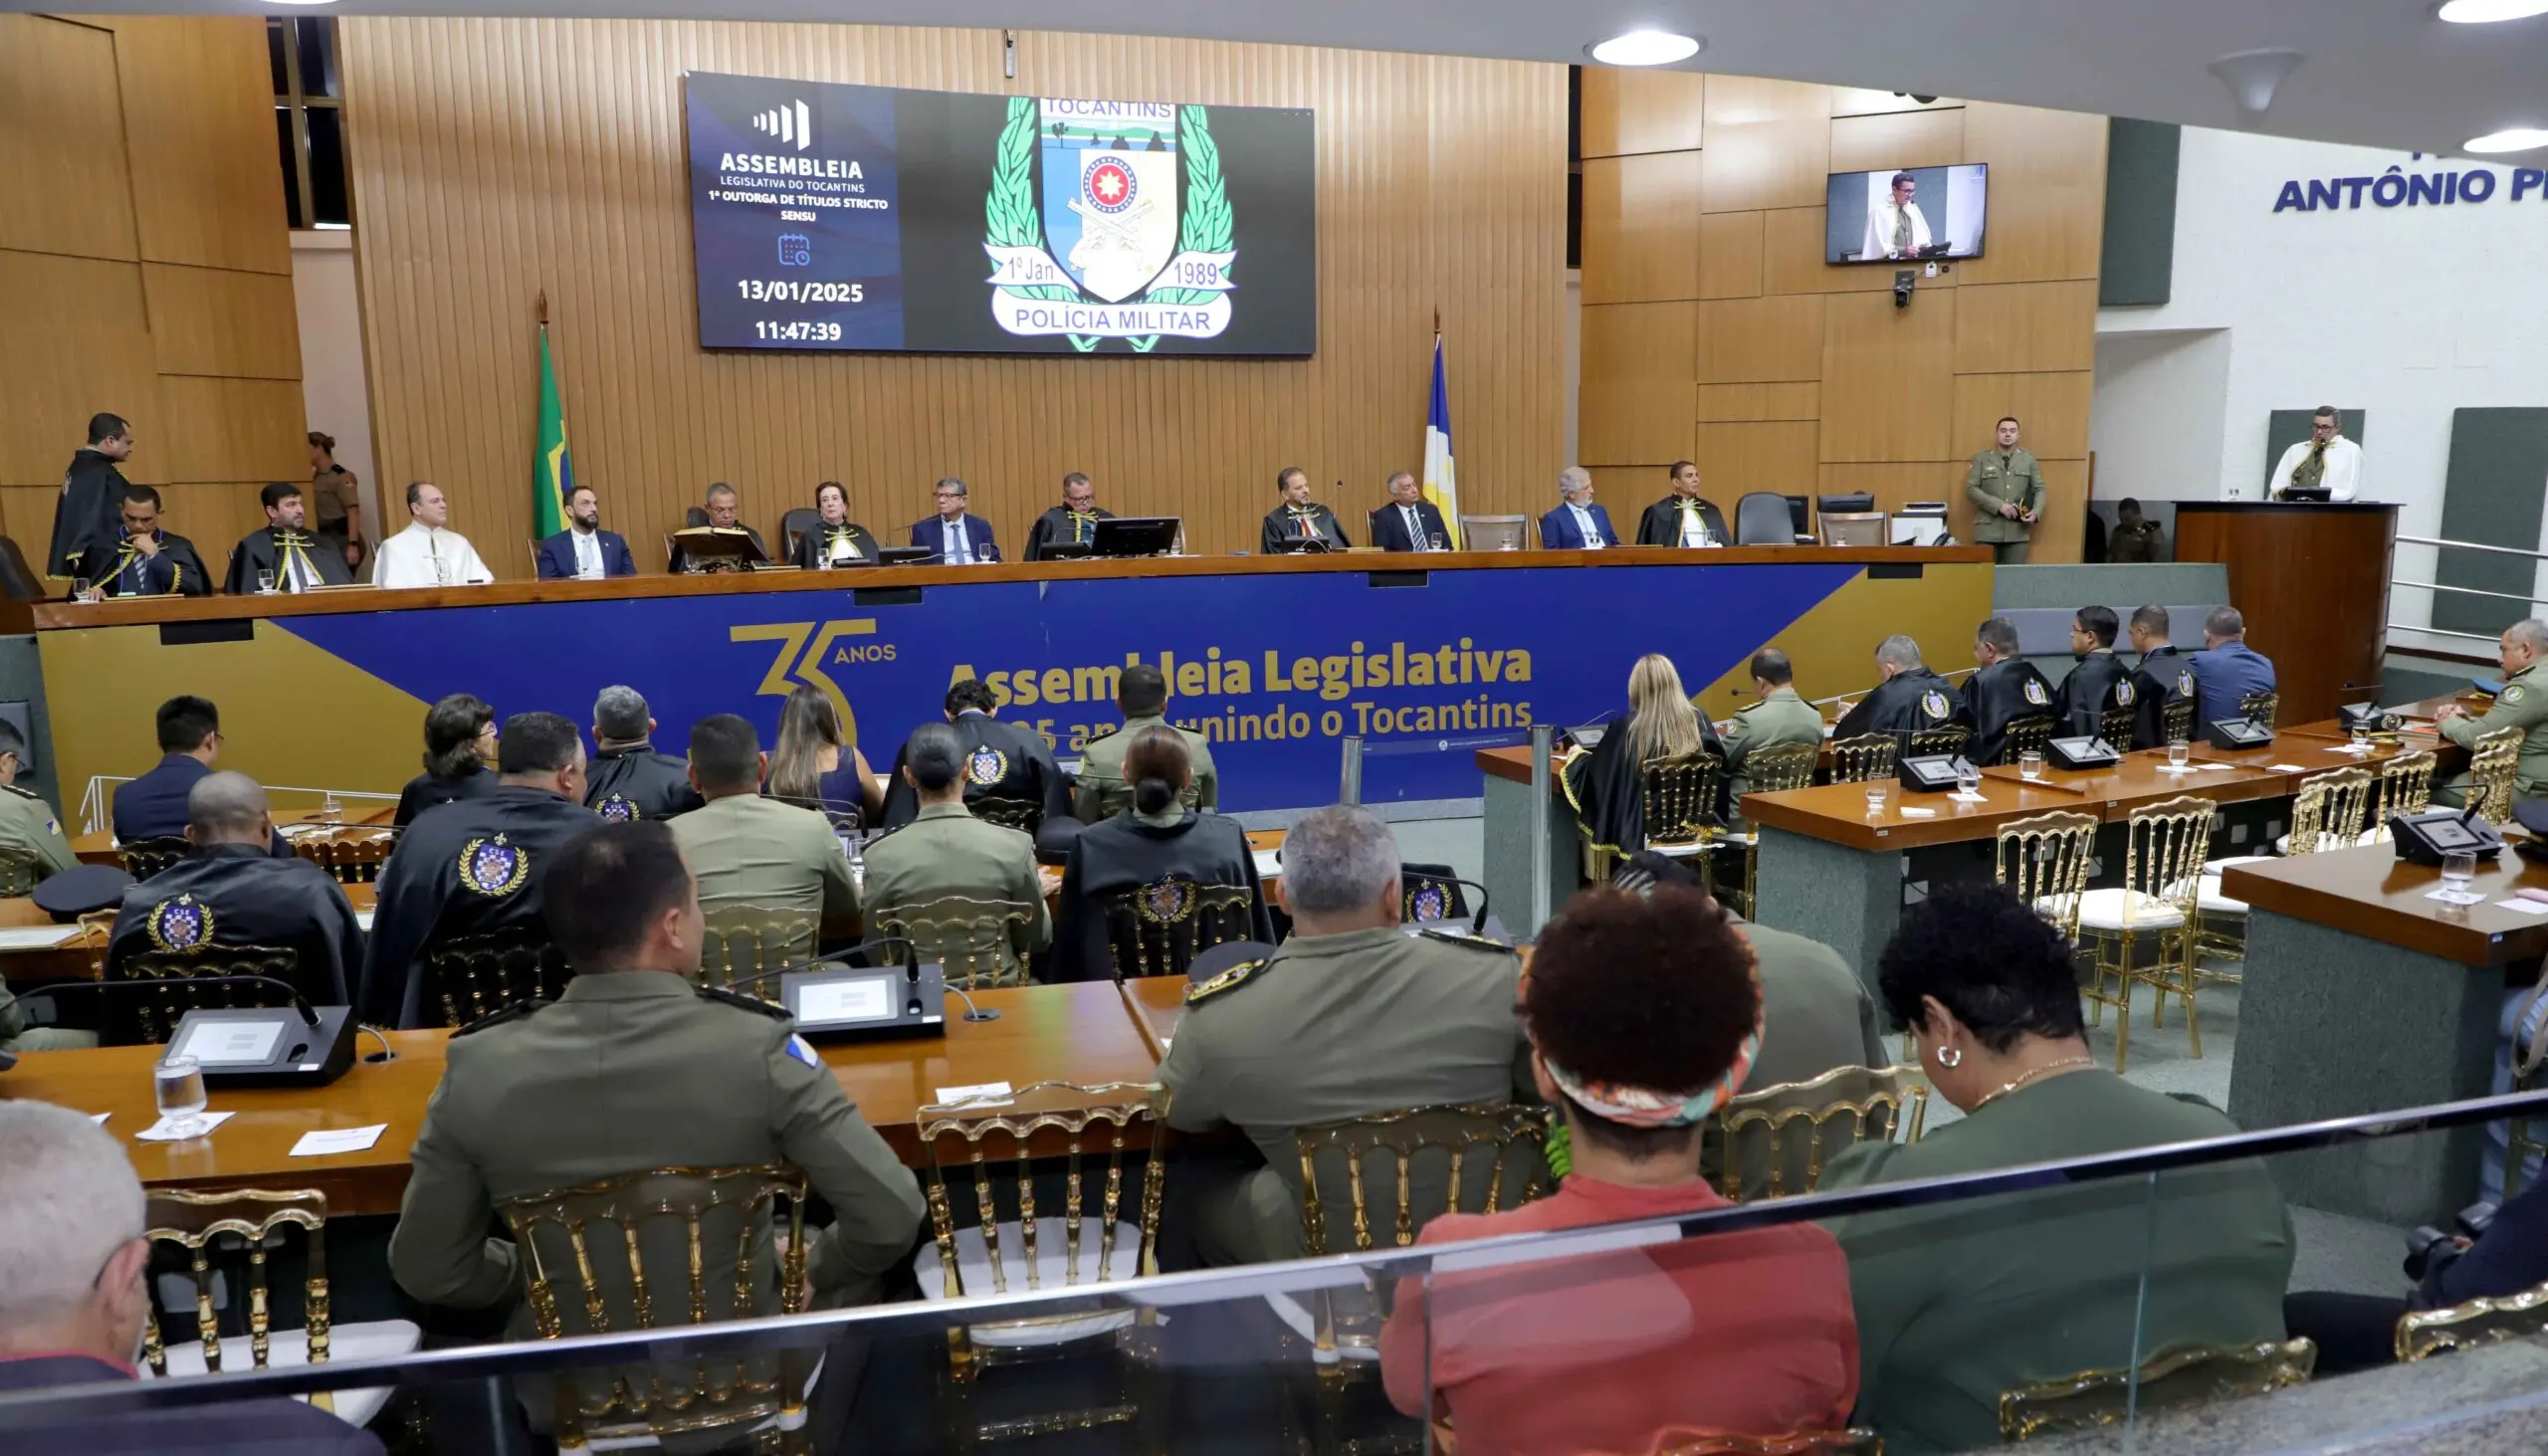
x=2524, y=704
x=628, y=780
x=1910, y=699
x=1141, y=695
x=945, y=853
x=29, y=832
x=2005, y=486
x=1780, y=717
x=1350, y=1016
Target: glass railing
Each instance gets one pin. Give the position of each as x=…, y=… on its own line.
x=1938, y=1308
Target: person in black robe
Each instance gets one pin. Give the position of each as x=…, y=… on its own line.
x=628, y=780
x=84, y=517
x=2003, y=689
x=2100, y=683
x=1667, y=522
x=1606, y=784
x=232, y=891
x=1299, y=519
x=143, y=560
x=284, y=546
x=1001, y=762
x=1910, y=699
x=460, y=746
x=1156, y=839
x=837, y=540
x=2163, y=677
x=1071, y=523
x=471, y=866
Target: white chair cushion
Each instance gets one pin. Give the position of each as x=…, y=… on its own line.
x=1680, y=851
x=1052, y=1272
x=373, y=1339
x=2119, y=909
x=2210, y=899
x=2364, y=840
x=2214, y=867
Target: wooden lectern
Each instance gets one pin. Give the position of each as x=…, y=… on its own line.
x=2313, y=583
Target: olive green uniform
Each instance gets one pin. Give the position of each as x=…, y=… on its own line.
x=29, y=830
x=2005, y=477
x=2524, y=704
x=1780, y=717
x=746, y=850
x=1330, y=1028
x=1103, y=793
x=945, y=853
x=1815, y=1016
x=630, y=1071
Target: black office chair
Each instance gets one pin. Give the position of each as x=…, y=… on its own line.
x=18, y=582
x=1762, y=519
x=793, y=525
x=694, y=515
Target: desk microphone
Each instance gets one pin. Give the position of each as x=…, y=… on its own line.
x=317, y=1053
x=308, y=1013
x=1477, y=923
x=909, y=963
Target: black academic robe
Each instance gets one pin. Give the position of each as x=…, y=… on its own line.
x=1062, y=527
x=2163, y=676
x=814, y=545
x=1121, y=852
x=2100, y=681
x=636, y=782
x=1284, y=523
x=1662, y=525
x=2000, y=694
x=175, y=571
x=433, y=790
x=509, y=836
x=246, y=898
x=89, y=514
x=1909, y=702
x=1001, y=760
x=1606, y=786
x=263, y=550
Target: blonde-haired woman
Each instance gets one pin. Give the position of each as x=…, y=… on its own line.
x=1606, y=786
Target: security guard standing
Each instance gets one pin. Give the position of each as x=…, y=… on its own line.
x=28, y=828
x=1141, y=695
x=2005, y=486
x=2524, y=704
x=1350, y=1016
x=628, y=780
x=1299, y=519
x=636, y=1067
x=1780, y=717
x=1910, y=699
x=2099, y=682
x=474, y=867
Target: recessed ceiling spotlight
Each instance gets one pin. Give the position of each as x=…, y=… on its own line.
x=304, y=2
x=1649, y=48
x=2489, y=12
x=2516, y=139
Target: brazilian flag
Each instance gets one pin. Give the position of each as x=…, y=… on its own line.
x=552, y=470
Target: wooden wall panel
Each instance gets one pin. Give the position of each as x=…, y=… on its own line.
x=1734, y=458
x=1721, y=402
x=1625, y=492
x=233, y=429
x=2025, y=327
x=1647, y=244
x=1895, y=483
x=80, y=342
x=1761, y=164
x=497, y=159
x=1636, y=403
x=1931, y=139
x=61, y=141
x=1850, y=100
x=217, y=321
x=2047, y=192
x=1760, y=340
x=2051, y=411
x=199, y=130
x=1730, y=254
x=1888, y=386
x=1630, y=109
x=1745, y=101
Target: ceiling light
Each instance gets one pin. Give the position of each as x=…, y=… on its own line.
x=2517, y=138
x=304, y=2
x=1645, y=48
x=2488, y=12
x=2254, y=76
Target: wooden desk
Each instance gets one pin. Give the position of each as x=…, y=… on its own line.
x=76, y=959
x=1155, y=1003
x=100, y=848
x=1071, y=1033
x=2142, y=779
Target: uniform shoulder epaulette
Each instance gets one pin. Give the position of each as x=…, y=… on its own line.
x=21, y=792
x=515, y=1012
x=1228, y=981
x=1464, y=938
x=749, y=1003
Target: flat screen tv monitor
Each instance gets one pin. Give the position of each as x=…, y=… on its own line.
x=1940, y=214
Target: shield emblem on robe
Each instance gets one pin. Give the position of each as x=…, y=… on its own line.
x=492, y=868
x=181, y=924
x=2036, y=694
x=617, y=809
x=1110, y=192
x=2185, y=683
x=987, y=766
x=2123, y=692
x=1166, y=902
x=1932, y=703
x=1428, y=902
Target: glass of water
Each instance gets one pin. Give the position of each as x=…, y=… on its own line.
x=2362, y=738
x=2031, y=767
x=1877, y=793
x=177, y=1081
x=2178, y=752
x=265, y=583
x=1968, y=781
x=2458, y=871
x=330, y=811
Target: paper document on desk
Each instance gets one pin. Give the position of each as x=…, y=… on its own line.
x=337, y=1139
x=987, y=1093
x=37, y=938
x=2523, y=907
x=158, y=1131
x=1269, y=864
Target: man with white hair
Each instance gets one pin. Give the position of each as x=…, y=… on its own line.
x=1577, y=525
x=1910, y=699
x=72, y=1299
x=2522, y=702
x=1350, y=1016
x=628, y=780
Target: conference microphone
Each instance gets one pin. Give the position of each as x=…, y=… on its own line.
x=300, y=1045
x=308, y=1013
x=908, y=964
x=1479, y=923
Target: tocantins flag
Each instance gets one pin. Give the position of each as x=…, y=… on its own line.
x=1441, y=483
x=552, y=470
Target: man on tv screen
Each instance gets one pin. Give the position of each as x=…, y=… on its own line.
x=1896, y=227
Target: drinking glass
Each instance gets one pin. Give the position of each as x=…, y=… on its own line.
x=2362, y=738
x=79, y=588
x=2031, y=767
x=330, y=811
x=2178, y=752
x=177, y=1081
x=265, y=583
x=2458, y=871
x=1877, y=791
x=1968, y=781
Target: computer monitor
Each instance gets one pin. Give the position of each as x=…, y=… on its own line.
x=1800, y=511
x=1134, y=536
x=1830, y=505
x=903, y=555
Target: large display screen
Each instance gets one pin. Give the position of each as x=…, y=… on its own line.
x=864, y=217
x=1905, y=214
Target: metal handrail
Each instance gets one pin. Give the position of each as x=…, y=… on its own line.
x=2531, y=599
x=94, y=803
x=2426, y=541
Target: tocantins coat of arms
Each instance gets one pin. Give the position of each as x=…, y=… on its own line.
x=1119, y=240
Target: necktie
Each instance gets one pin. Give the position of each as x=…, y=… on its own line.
x=1303, y=518
x=1902, y=230
x=1415, y=530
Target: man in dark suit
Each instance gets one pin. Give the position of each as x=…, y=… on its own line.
x=583, y=549
x=153, y=806
x=954, y=537
x=1684, y=518
x=143, y=560
x=1577, y=525
x=1409, y=523
x=1299, y=519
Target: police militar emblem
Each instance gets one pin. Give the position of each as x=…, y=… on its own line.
x=2123, y=692
x=1428, y=902
x=1108, y=219
x=2036, y=694
x=988, y=766
x=182, y=924
x=1932, y=703
x=618, y=809
x=492, y=868
x=1166, y=902
x=2185, y=682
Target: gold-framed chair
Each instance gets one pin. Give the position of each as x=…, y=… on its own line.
x=148, y=1018
x=2404, y=787
x=1023, y=815
x=2046, y=860
x=2115, y=726
x=1013, y=1247
x=1953, y=738
x=1679, y=797
x=351, y=854
x=2423, y=1333
x=1854, y=1441
x=2493, y=762
x=977, y=941
x=1774, y=1142
x=746, y=942
x=2029, y=734
x=2327, y=812
x=2261, y=706
x=143, y=858
x=705, y=1232
x=1775, y=769
x=235, y=1227
x=2164, y=845
x=2176, y=721
x=1160, y=928
x=18, y=872
x=2171, y=1381
x=469, y=978
x=1866, y=757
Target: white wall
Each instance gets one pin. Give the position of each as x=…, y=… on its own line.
x=2180, y=376
x=332, y=369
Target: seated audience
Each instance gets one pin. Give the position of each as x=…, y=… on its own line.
x=73, y=1298
x=837, y=540
x=2003, y=688
x=2359, y=1331
x=1071, y=523
x=30, y=832
x=1607, y=785
x=752, y=852
x=1643, y=1019
x=1961, y=1301
x=474, y=867
x=945, y=853
x=142, y=561
x=636, y=1067
x=1001, y=762
x=1683, y=517
x=428, y=553
x=2226, y=670
x=583, y=551
x=2161, y=680
x=1154, y=838
x=2098, y=682
x=1104, y=791
x=954, y=536
x=1577, y=525
x=232, y=891
x=1409, y=523
x=284, y=552
x=153, y=806
x=1777, y=717
x=814, y=766
x=628, y=778
x=1910, y=699
x=1349, y=1016
x=2521, y=704
x=460, y=756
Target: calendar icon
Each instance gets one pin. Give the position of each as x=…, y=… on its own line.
x=796, y=250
